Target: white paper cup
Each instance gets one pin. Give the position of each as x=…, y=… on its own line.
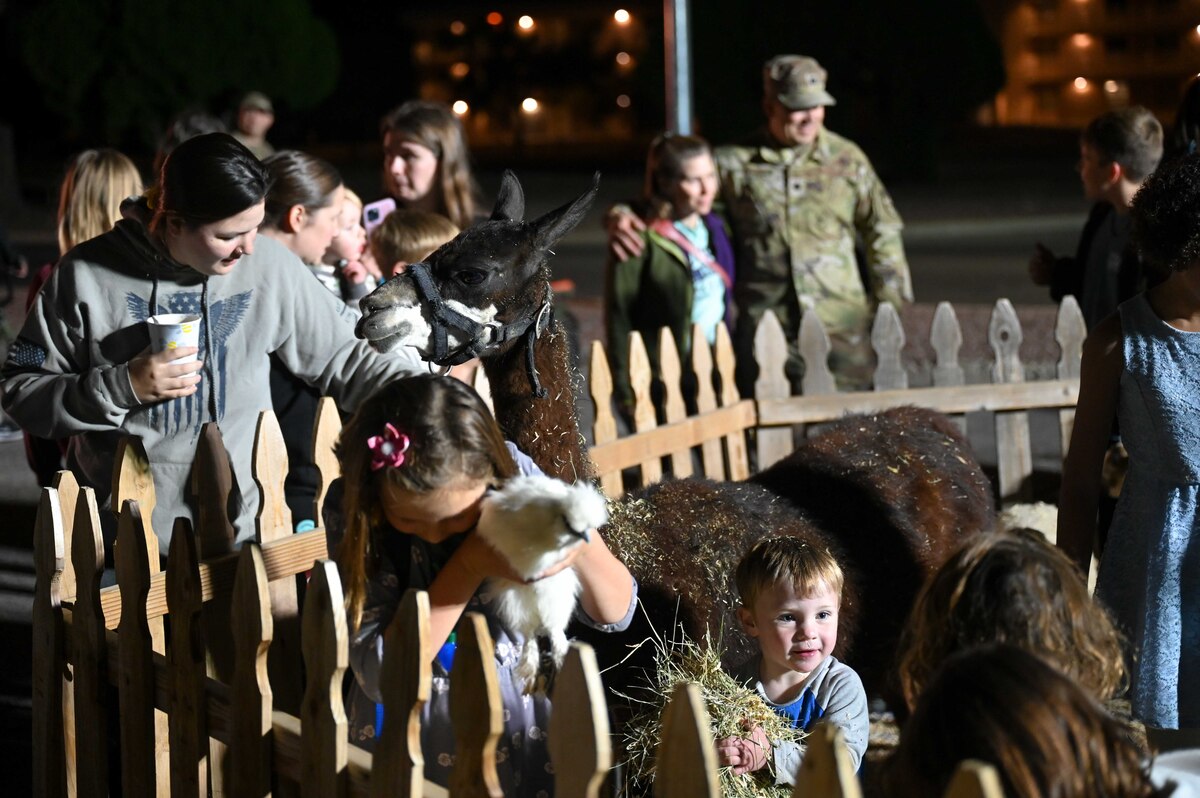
x=174, y=331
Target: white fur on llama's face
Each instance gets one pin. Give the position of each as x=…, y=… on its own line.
x=395, y=325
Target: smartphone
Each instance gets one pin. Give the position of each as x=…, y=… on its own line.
x=374, y=212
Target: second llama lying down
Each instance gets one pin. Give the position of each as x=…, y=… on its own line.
x=534, y=522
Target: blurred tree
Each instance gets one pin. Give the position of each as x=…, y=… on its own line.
x=124, y=67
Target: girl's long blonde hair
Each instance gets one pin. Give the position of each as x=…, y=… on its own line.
x=89, y=202
x=1012, y=587
x=452, y=435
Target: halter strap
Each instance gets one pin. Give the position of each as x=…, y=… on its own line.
x=481, y=337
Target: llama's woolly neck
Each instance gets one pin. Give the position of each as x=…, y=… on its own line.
x=545, y=429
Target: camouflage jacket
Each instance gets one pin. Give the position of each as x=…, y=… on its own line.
x=795, y=215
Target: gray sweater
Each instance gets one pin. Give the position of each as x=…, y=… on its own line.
x=67, y=374
x=832, y=693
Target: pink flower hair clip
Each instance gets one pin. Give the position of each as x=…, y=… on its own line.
x=388, y=449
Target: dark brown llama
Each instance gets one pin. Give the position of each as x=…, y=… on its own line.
x=889, y=494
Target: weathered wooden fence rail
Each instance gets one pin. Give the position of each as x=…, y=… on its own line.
x=726, y=428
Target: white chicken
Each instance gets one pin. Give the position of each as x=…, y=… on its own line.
x=533, y=522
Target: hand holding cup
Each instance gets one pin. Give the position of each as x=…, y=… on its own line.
x=168, y=368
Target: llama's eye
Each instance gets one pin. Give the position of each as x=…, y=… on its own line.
x=471, y=276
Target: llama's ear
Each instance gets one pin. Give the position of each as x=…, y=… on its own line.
x=549, y=228
x=510, y=202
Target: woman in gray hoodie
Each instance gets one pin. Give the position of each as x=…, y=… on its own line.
x=81, y=366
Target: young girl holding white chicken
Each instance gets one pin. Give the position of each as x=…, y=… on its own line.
x=417, y=460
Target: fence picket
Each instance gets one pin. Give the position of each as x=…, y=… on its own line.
x=399, y=766
x=945, y=337
x=49, y=657
x=687, y=758
x=1070, y=330
x=645, y=417
x=580, y=747
x=674, y=405
x=135, y=657
x=188, y=719
x=274, y=522
x=326, y=429
x=250, y=738
x=322, y=714
x=604, y=425
x=475, y=711
x=975, y=779
x=826, y=769
x=735, y=442
x=212, y=482
x=89, y=650
x=134, y=481
x=68, y=494
x=814, y=349
x=887, y=339
x=1014, y=456
x=770, y=351
x=706, y=402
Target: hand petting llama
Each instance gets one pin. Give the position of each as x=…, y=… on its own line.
x=533, y=522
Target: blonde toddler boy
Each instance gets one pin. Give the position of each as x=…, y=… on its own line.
x=791, y=593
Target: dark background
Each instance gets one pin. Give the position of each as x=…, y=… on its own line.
x=908, y=75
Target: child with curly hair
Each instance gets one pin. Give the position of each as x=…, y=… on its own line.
x=1017, y=588
x=417, y=459
x=1142, y=366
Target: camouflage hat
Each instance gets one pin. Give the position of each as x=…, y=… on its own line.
x=258, y=101
x=797, y=81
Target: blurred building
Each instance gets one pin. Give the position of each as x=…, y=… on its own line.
x=1070, y=60
x=552, y=76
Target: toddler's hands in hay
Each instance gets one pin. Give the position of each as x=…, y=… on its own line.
x=744, y=754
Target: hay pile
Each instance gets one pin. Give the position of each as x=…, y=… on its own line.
x=731, y=707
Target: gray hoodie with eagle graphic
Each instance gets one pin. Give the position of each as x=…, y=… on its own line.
x=67, y=374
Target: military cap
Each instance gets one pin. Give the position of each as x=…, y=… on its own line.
x=797, y=81
x=258, y=101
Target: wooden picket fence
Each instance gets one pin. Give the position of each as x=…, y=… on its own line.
x=245, y=697
x=184, y=732
x=727, y=427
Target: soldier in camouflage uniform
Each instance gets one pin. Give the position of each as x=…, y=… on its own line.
x=796, y=195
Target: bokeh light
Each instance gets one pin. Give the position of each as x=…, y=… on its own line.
x=458, y=27
x=460, y=107
x=529, y=105
x=1081, y=84
x=623, y=101
x=525, y=22
x=494, y=18
x=622, y=16
x=624, y=59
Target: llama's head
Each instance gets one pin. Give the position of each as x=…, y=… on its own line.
x=480, y=293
